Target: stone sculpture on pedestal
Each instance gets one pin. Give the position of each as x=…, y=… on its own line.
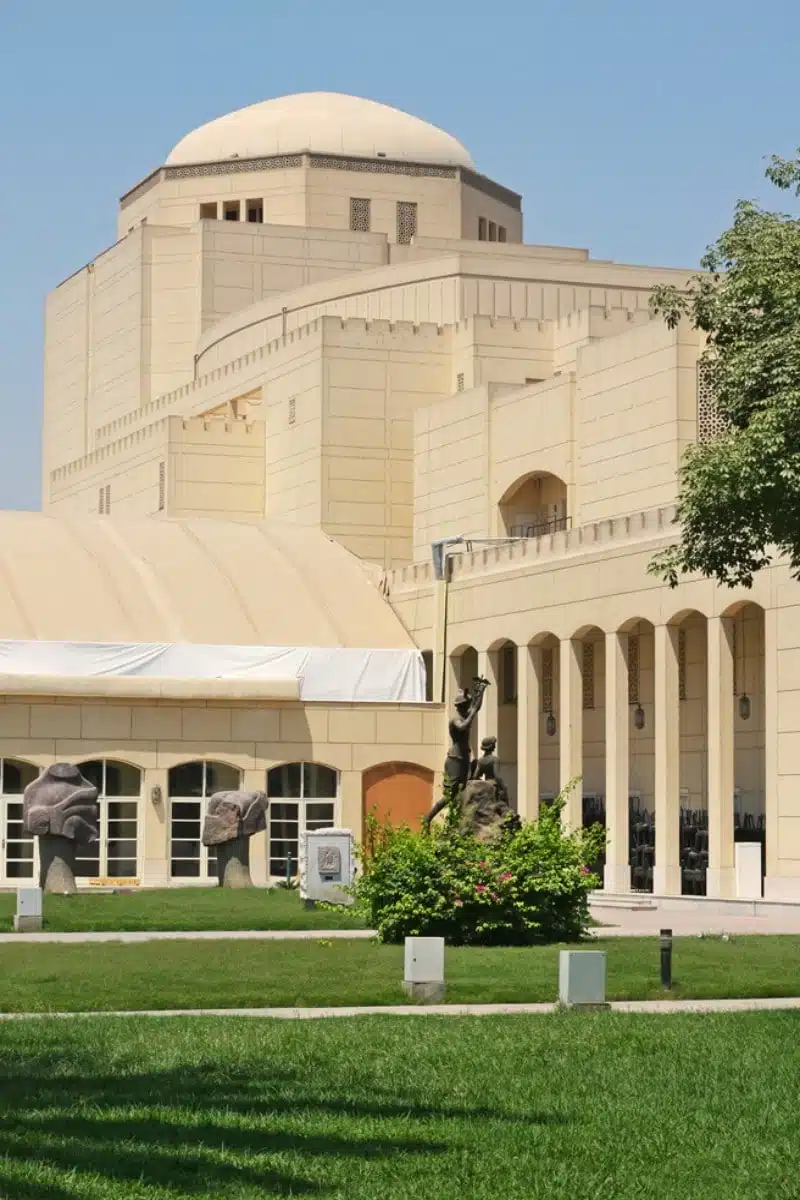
x=231, y=820
x=61, y=809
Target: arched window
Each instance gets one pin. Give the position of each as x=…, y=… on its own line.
x=18, y=846
x=189, y=786
x=116, y=854
x=302, y=796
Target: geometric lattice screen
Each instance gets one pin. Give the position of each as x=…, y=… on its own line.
x=710, y=422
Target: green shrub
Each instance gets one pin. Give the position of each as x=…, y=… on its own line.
x=531, y=885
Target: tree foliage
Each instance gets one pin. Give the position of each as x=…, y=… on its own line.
x=739, y=498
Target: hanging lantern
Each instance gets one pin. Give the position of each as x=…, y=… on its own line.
x=550, y=725
x=744, y=706
x=638, y=717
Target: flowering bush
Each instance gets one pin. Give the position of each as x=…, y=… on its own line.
x=531, y=885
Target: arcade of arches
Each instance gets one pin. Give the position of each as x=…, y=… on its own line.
x=662, y=728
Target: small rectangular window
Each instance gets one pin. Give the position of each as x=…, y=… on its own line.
x=406, y=222
x=255, y=212
x=481, y=229
x=292, y=409
x=208, y=212
x=230, y=210
x=162, y=486
x=509, y=669
x=108, y=498
x=427, y=658
x=360, y=215
x=101, y=501
x=460, y=381
x=492, y=232
x=501, y=233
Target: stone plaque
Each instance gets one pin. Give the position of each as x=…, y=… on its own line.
x=327, y=864
x=329, y=860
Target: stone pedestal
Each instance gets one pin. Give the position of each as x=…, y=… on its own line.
x=57, y=859
x=233, y=863
x=423, y=977
x=582, y=978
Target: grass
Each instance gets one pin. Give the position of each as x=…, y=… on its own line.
x=181, y=909
x=525, y=1108
x=222, y=974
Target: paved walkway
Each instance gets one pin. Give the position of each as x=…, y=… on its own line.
x=434, y=1010
x=212, y=935
x=620, y=922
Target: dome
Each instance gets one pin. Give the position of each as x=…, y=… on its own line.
x=97, y=579
x=320, y=123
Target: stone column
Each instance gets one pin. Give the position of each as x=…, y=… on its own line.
x=772, y=885
x=488, y=667
x=254, y=779
x=720, y=880
x=667, y=871
x=529, y=704
x=570, y=688
x=617, y=874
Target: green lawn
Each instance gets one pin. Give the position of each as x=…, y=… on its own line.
x=190, y=974
x=192, y=909
x=379, y=1108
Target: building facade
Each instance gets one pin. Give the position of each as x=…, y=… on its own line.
x=320, y=316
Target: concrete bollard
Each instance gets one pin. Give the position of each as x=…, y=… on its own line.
x=582, y=978
x=423, y=978
x=28, y=917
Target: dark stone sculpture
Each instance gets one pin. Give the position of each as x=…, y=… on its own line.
x=231, y=820
x=485, y=811
x=61, y=809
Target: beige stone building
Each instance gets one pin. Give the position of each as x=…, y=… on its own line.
x=321, y=365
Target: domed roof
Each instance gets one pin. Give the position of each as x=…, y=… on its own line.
x=320, y=123
x=101, y=579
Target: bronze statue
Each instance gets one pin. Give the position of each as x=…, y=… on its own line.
x=486, y=767
x=458, y=764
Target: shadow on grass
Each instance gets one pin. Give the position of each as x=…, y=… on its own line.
x=188, y=1129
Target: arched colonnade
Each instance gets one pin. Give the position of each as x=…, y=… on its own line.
x=662, y=725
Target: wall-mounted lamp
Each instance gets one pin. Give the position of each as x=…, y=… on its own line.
x=155, y=795
x=744, y=706
x=550, y=725
x=638, y=717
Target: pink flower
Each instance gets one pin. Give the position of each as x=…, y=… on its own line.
x=459, y=903
x=504, y=878
x=480, y=887
x=585, y=871
x=495, y=896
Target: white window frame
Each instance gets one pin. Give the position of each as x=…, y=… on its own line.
x=15, y=798
x=103, y=878
x=304, y=822
x=207, y=871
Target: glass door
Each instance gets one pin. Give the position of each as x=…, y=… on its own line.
x=18, y=864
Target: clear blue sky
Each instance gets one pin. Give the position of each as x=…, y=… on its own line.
x=630, y=127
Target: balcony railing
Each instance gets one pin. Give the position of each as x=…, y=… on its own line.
x=541, y=528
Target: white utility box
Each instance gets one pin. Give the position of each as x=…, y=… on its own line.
x=28, y=918
x=582, y=978
x=748, y=870
x=327, y=865
x=423, y=977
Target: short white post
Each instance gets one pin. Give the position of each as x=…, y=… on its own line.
x=582, y=978
x=423, y=977
x=28, y=918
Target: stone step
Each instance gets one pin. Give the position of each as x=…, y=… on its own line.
x=630, y=902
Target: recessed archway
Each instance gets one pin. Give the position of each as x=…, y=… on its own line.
x=534, y=505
